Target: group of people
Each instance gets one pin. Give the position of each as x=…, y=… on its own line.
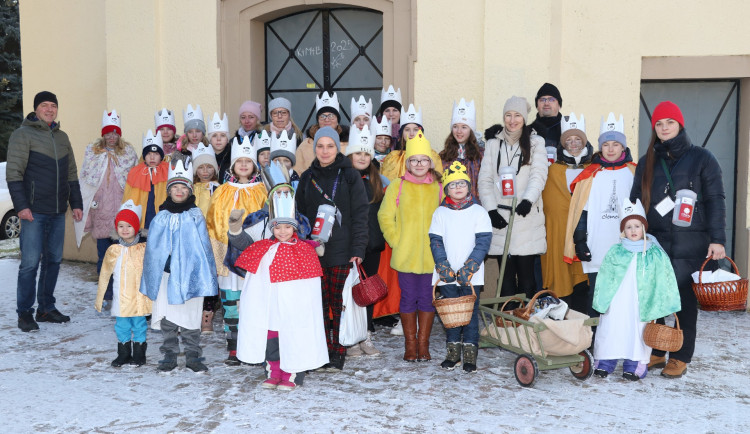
x=266, y=225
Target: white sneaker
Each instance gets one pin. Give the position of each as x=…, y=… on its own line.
x=354, y=351
x=398, y=329
x=367, y=347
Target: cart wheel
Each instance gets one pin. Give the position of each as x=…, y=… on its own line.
x=526, y=370
x=585, y=368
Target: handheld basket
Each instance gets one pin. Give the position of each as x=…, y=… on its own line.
x=721, y=296
x=663, y=337
x=455, y=312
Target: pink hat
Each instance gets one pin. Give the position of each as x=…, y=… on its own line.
x=252, y=107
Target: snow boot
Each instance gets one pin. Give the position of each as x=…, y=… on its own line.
x=426, y=319
x=470, y=358
x=26, y=322
x=123, y=354
x=168, y=363
x=195, y=363
x=207, y=324
x=139, y=354
x=602, y=368
x=453, y=356
x=274, y=374
x=336, y=362
x=409, y=323
x=634, y=371
x=675, y=369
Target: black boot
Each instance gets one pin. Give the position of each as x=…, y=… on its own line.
x=139, y=354
x=26, y=322
x=168, y=363
x=232, y=359
x=123, y=354
x=470, y=358
x=453, y=356
x=195, y=363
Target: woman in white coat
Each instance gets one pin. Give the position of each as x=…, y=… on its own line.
x=516, y=147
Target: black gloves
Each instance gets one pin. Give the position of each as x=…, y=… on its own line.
x=523, y=208
x=582, y=249
x=498, y=222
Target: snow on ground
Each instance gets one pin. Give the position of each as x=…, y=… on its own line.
x=60, y=380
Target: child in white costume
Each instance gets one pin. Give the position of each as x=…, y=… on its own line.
x=636, y=284
x=281, y=321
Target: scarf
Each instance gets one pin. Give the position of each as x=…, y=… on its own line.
x=640, y=245
x=576, y=159
x=177, y=208
x=511, y=138
x=413, y=179
x=134, y=242
x=241, y=131
x=461, y=204
x=278, y=131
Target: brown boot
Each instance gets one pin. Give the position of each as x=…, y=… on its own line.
x=657, y=362
x=674, y=369
x=207, y=325
x=423, y=335
x=409, y=323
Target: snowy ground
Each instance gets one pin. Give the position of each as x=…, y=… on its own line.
x=59, y=380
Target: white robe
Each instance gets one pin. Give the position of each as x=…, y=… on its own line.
x=187, y=316
x=620, y=331
x=293, y=308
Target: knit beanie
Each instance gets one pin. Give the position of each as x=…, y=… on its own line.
x=327, y=132
x=179, y=174
x=111, y=122
x=667, y=110
x=251, y=107
x=612, y=129
x=517, y=104
x=194, y=119
x=548, y=89
x=130, y=217
x=280, y=103
x=44, y=96
x=165, y=118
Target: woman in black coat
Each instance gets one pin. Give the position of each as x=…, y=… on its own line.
x=332, y=180
x=673, y=163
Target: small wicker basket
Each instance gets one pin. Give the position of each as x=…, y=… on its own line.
x=663, y=337
x=721, y=296
x=455, y=312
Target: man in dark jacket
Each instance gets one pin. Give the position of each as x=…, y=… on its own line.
x=547, y=122
x=42, y=179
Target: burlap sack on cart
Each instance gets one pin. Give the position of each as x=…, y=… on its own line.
x=562, y=338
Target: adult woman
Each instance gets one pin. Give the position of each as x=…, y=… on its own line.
x=331, y=180
x=280, y=112
x=574, y=154
x=461, y=144
x=105, y=168
x=328, y=115
x=249, y=120
x=516, y=147
x=673, y=163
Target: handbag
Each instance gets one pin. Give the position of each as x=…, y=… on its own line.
x=353, y=327
x=370, y=289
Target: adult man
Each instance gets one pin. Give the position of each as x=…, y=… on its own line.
x=42, y=179
x=547, y=122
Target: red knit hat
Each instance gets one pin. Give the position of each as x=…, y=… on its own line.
x=130, y=214
x=667, y=110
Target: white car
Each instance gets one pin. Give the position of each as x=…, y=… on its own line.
x=10, y=225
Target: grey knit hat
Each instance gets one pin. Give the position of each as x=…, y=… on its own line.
x=280, y=103
x=328, y=132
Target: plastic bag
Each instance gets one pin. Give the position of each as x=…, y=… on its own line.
x=353, y=328
x=550, y=307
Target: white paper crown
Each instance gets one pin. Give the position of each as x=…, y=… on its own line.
x=382, y=128
x=283, y=142
x=282, y=208
x=390, y=95
x=130, y=206
x=152, y=140
x=464, y=113
x=111, y=119
x=411, y=116
x=612, y=125
x=573, y=123
x=327, y=100
x=361, y=107
x=204, y=154
x=191, y=114
x=243, y=149
x=218, y=125
x=262, y=140
x=180, y=172
x=163, y=117
x=360, y=141
x=629, y=209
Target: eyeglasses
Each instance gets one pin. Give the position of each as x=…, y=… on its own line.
x=425, y=162
x=548, y=99
x=279, y=113
x=327, y=117
x=457, y=184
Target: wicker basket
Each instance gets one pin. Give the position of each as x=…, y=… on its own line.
x=663, y=337
x=455, y=312
x=722, y=296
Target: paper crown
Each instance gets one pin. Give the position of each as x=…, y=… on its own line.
x=411, y=116
x=274, y=174
x=390, y=95
x=455, y=172
x=361, y=107
x=262, y=141
x=284, y=146
x=464, y=113
x=111, y=122
x=192, y=114
x=180, y=174
x=163, y=117
x=205, y=155
x=218, y=125
x=612, y=125
x=418, y=145
x=631, y=210
x=361, y=141
x=152, y=140
x=327, y=100
x=243, y=149
x=571, y=122
x=382, y=128
x=132, y=207
x=281, y=208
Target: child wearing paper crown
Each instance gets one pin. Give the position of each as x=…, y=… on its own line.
x=460, y=237
x=195, y=133
x=146, y=184
x=404, y=217
x=283, y=151
x=461, y=144
x=240, y=194
x=124, y=263
x=281, y=322
x=394, y=165
x=636, y=284
x=166, y=127
x=179, y=270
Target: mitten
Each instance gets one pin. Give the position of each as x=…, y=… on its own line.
x=445, y=271
x=466, y=272
x=523, y=208
x=582, y=249
x=498, y=222
x=235, y=221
